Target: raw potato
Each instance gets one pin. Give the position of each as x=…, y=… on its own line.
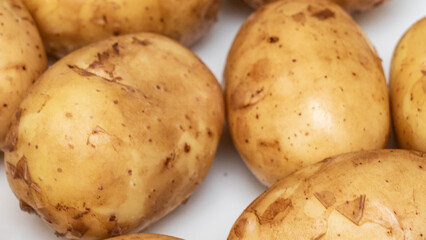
x=408, y=88
x=303, y=83
x=352, y=6
x=364, y=195
x=145, y=237
x=22, y=59
x=114, y=136
x=67, y=25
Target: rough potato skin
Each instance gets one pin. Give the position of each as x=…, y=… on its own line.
x=352, y=6
x=67, y=25
x=145, y=236
x=364, y=195
x=22, y=59
x=114, y=136
x=408, y=92
x=303, y=83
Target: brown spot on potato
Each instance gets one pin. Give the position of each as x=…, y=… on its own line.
x=187, y=148
x=353, y=210
x=324, y=14
x=299, y=17
x=115, y=49
x=12, y=136
x=59, y=170
x=273, y=39
x=424, y=72
x=81, y=214
x=26, y=207
x=68, y=115
x=278, y=210
x=168, y=164
x=326, y=198
x=78, y=229
x=116, y=231
x=141, y=42
x=115, y=101
x=240, y=227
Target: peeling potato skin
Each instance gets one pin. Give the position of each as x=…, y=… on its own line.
x=22, y=60
x=115, y=135
x=94, y=20
x=145, y=236
x=299, y=77
x=375, y=195
x=352, y=6
x=408, y=88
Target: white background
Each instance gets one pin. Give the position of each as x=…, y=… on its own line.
x=229, y=188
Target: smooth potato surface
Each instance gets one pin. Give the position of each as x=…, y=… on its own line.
x=408, y=88
x=22, y=59
x=364, y=195
x=145, y=236
x=67, y=25
x=349, y=5
x=114, y=136
x=303, y=83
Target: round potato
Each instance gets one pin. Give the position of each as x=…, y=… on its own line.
x=145, y=236
x=408, y=92
x=364, y=195
x=22, y=59
x=68, y=24
x=303, y=83
x=352, y=6
x=114, y=136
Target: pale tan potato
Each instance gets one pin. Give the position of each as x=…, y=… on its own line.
x=145, y=236
x=364, y=195
x=22, y=59
x=408, y=88
x=114, y=136
x=303, y=83
x=67, y=25
x=352, y=6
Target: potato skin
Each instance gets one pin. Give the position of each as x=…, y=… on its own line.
x=22, y=59
x=94, y=20
x=108, y=141
x=303, y=83
x=364, y=195
x=352, y=6
x=145, y=236
x=408, y=93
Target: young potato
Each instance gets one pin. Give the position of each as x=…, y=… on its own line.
x=67, y=25
x=114, y=136
x=22, y=59
x=352, y=6
x=303, y=83
x=364, y=195
x=408, y=92
x=145, y=236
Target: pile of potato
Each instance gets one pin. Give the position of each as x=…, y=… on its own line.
x=123, y=128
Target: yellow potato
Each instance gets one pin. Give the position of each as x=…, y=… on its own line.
x=67, y=25
x=408, y=88
x=303, y=83
x=349, y=5
x=114, y=136
x=22, y=59
x=145, y=236
x=365, y=195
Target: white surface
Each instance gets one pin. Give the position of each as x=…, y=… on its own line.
x=229, y=188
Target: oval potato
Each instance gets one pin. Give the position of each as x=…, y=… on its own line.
x=114, y=136
x=303, y=83
x=69, y=24
x=144, y=236
x=408, y=88
x=365, y=195
x=22, y=59
x=349, y=5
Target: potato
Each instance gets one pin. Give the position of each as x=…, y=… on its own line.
x=145, y=236
x=303, y=83
x=408, y=92
x=352, y=6
x=114, y=136
x=22, y=59
x=68, y=24
x=364, y=195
